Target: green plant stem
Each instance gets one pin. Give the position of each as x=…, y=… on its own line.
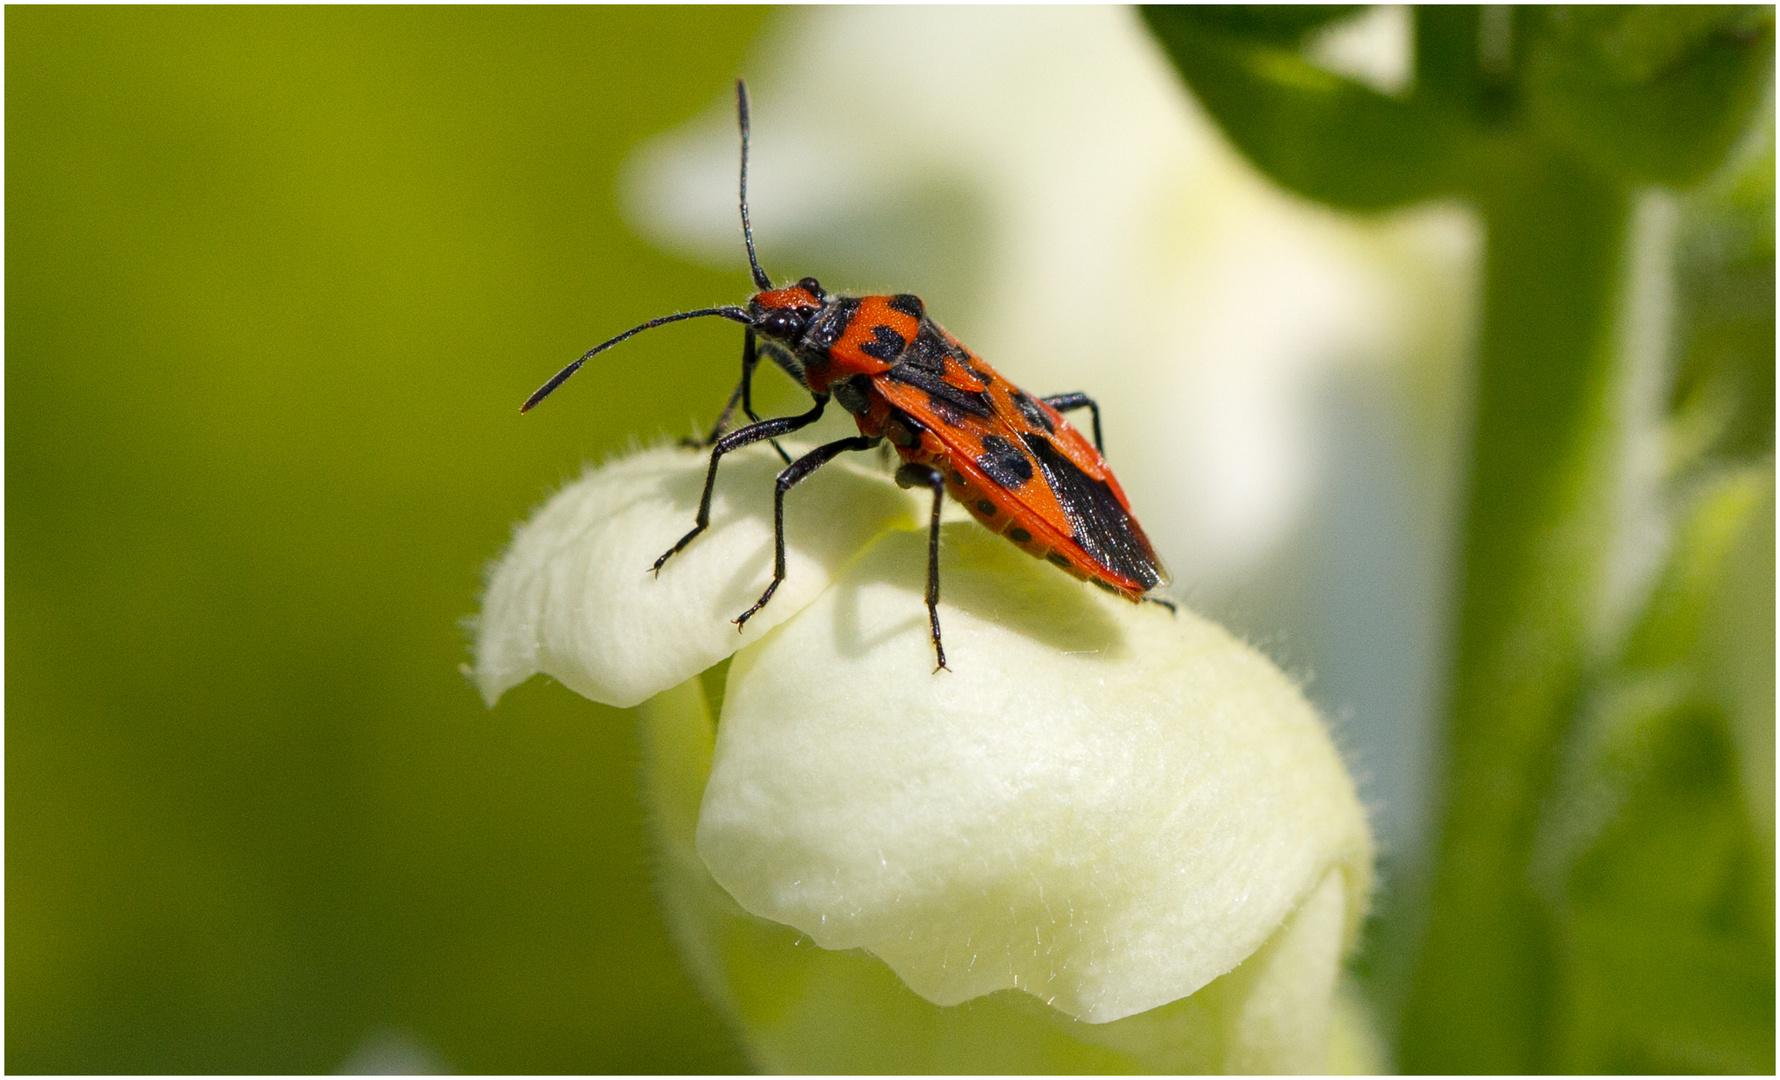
x=1537, y=533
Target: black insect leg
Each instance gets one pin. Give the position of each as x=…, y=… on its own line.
x=1069, y=402
x=788, y=479
x=1157, y=600
x=735, y=440
x=743, y=394
x=911, y=475
x=750, y=361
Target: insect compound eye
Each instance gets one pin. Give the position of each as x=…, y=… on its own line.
x=813, y=287
x=781, y=323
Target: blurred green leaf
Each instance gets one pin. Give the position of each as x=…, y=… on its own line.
x=1723, y=397
x=1321, y=135
x=1737, y=657
x=1717, y=514
x=1637, y=44
x=1665, y=926
x=1660, y=883
x=1650, y=94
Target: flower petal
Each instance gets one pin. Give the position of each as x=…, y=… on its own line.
x=572, y=596
x=802, y=1009
x=1100, y=804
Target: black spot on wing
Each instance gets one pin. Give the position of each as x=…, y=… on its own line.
x=831, y=323
x=1102, y=527
x=1004, y=462
x=974, y=402
x=1032, y=411
x=886, y=344
x=908, y=304
x=927, y=351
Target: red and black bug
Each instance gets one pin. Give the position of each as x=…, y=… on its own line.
x=960, y=428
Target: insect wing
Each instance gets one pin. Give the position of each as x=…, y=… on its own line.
x=1032, y=465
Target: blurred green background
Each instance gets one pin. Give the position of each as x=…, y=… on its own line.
x=277, y=281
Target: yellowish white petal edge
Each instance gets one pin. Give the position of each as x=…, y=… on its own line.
x=1101, y=804
x=573, y=598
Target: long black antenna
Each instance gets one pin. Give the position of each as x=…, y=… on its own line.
x=761, y=281
x=734, y=314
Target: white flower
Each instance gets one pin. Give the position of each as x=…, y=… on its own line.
x=1103, y=805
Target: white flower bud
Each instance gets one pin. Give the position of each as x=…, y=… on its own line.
x=1102, y=804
